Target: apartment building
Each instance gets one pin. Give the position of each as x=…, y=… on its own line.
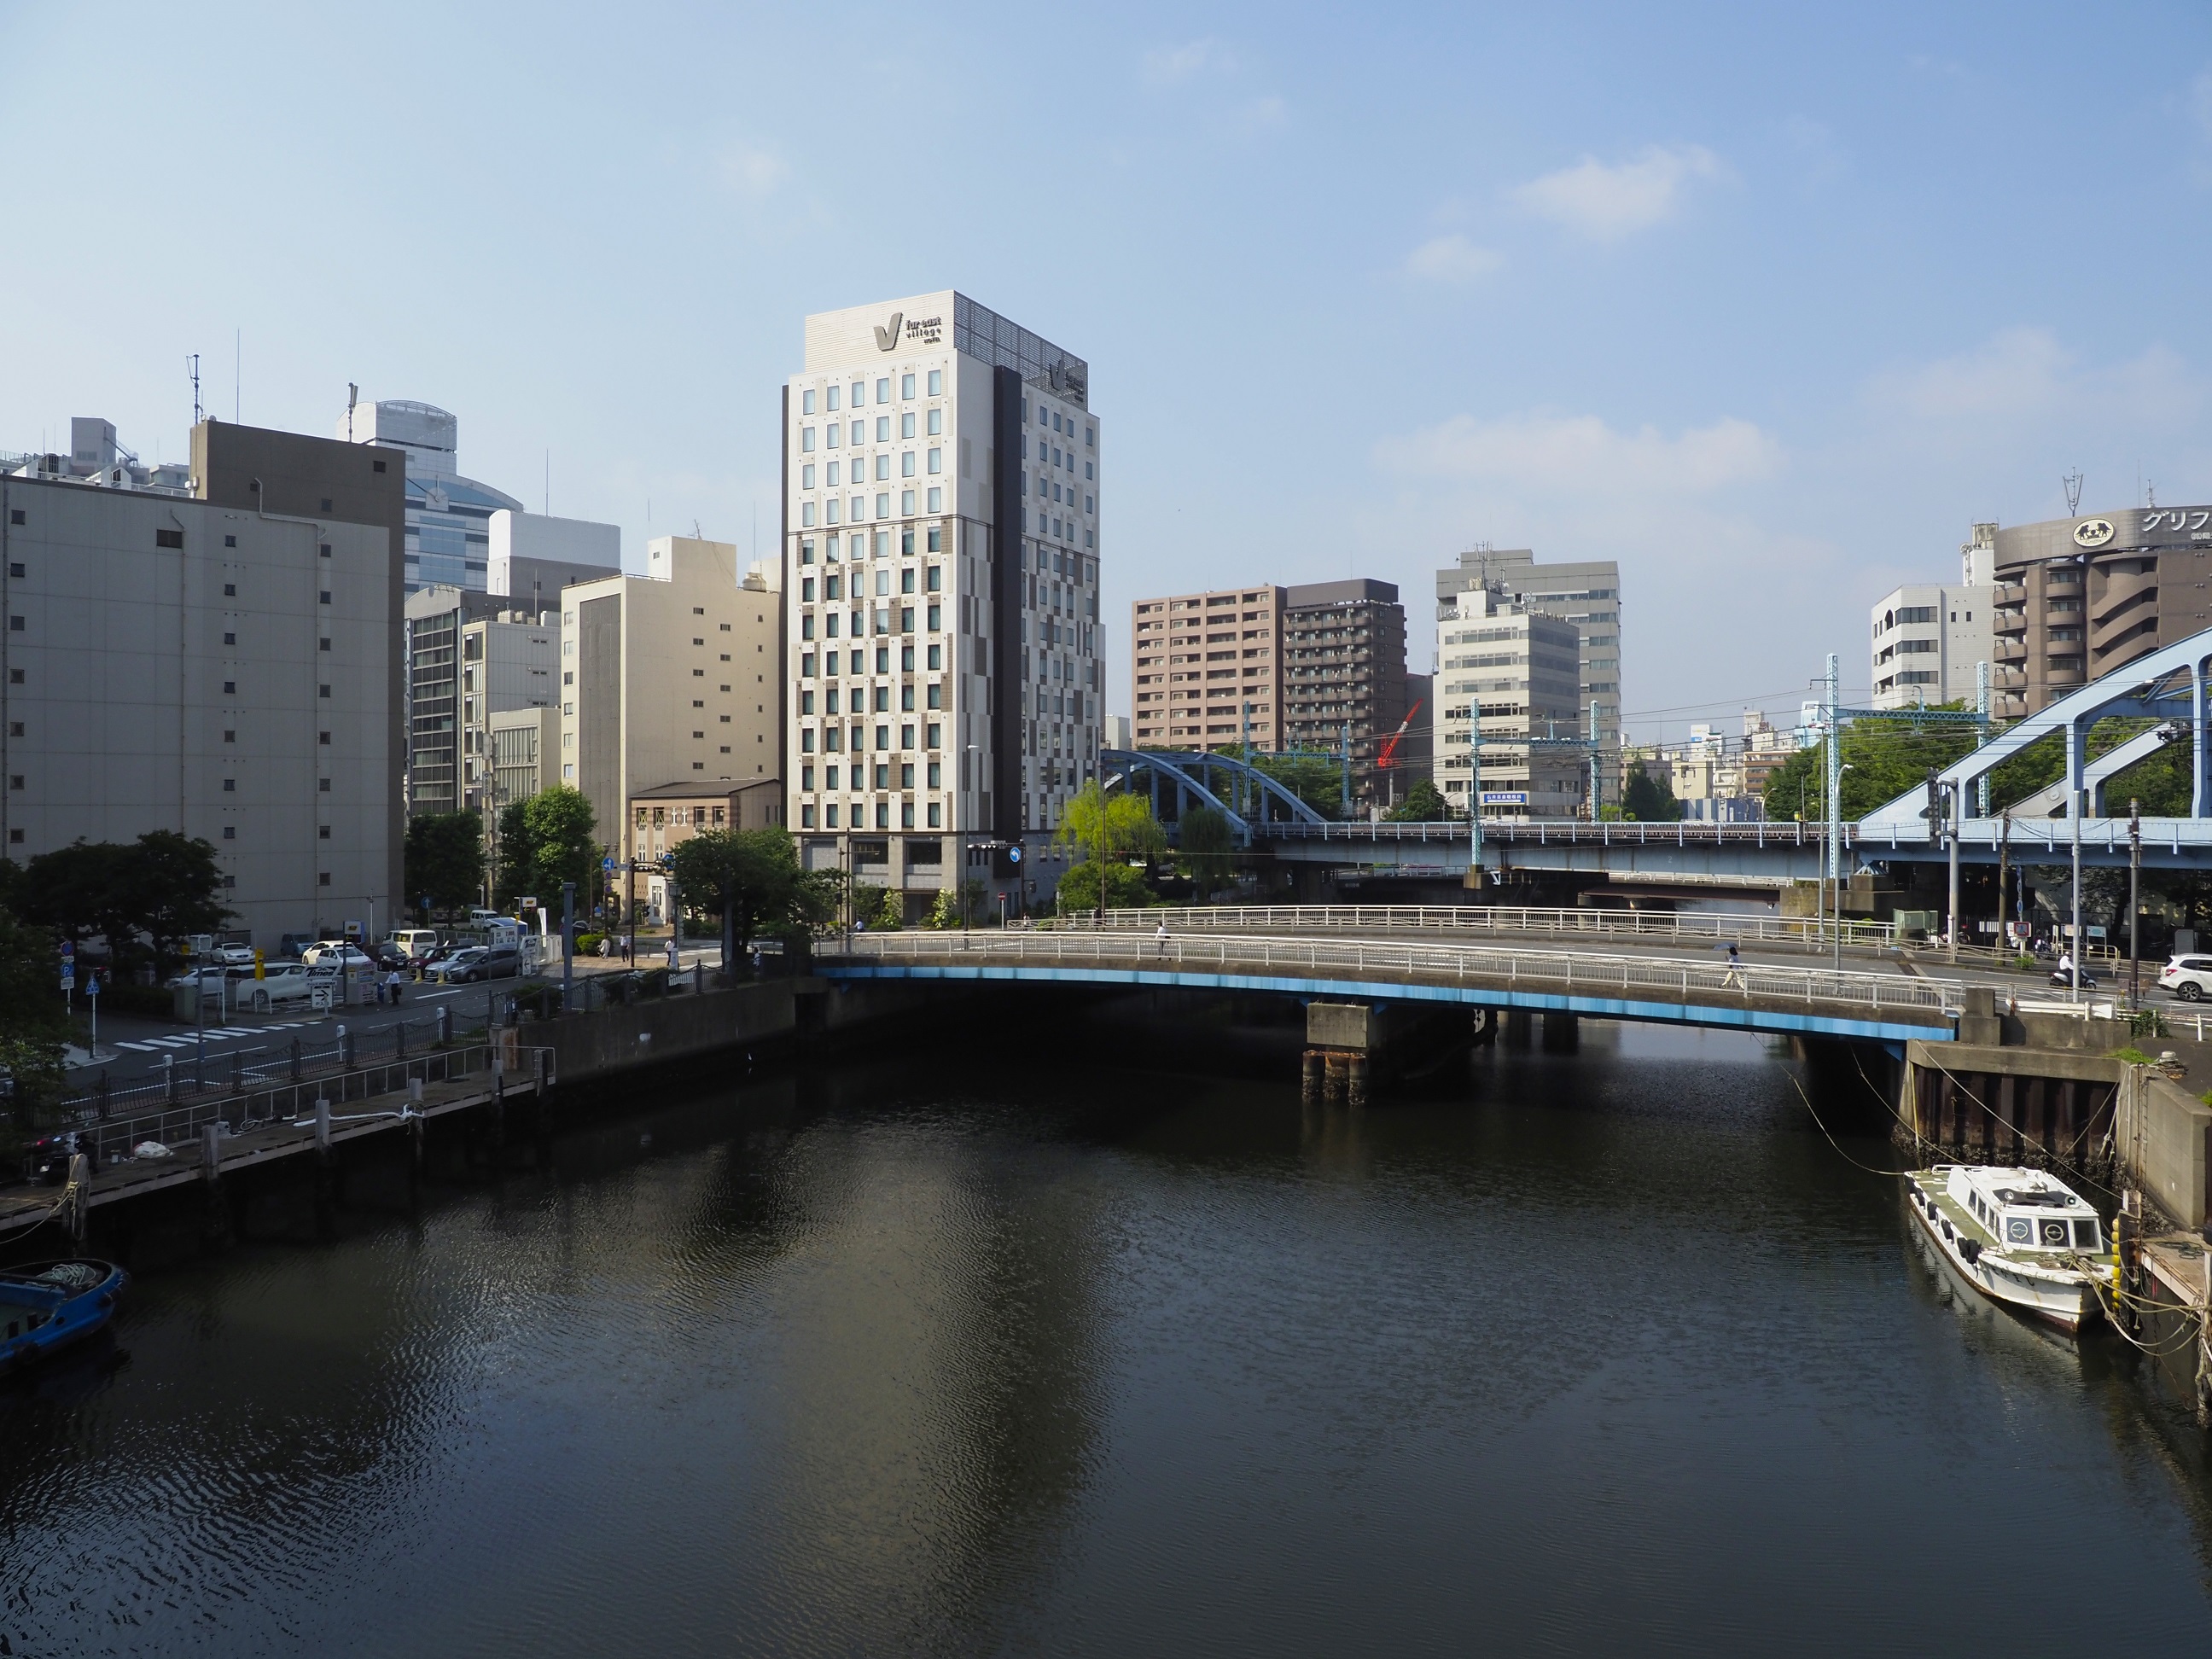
x=1302, y=667
x=941, y=546
x=2077, y=598
x=225, y=664
x=523, y=742
x=669, y=678
x=1507, y=674
x=1933, y=642
x=1586, y=593
x=1206, y=669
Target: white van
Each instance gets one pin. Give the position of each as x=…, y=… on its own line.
x=413, y=943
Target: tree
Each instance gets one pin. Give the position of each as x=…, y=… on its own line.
x=751, y=879
x=1317, y=780
x=1124, y=882
x=1424, y=804
x=163, y=885
x=444, y=859
x=1205, y=848
x=33, y=1027
x=545, y=840
x=1647, y=800
x=1099, y=825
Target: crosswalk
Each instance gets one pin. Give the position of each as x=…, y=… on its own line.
x=222, y=1033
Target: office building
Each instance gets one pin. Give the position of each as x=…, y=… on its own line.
x=1934, y=642
x=1276, y=668
x=2078, y=598
x=225, y=664
x=1585, y=593
x=523, y=742
x=669, y=678
x=1507, y=674
x=941, y=546
x=463, y=533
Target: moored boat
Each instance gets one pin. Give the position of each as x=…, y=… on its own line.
x=49, y=1305
x=2022, y=1238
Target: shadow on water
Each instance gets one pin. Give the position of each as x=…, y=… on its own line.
x=1056, y=1337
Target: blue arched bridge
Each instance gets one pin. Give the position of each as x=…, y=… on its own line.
x=1890, y=1008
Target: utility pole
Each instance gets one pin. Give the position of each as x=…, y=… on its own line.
x=567, y=945
x=1595, y=799
x=1836, y=798
x=2004, y=866
x=1981, y=736
x=1957, y=820
x=2135, y=907
x=1475, y=784
x=2076, y=802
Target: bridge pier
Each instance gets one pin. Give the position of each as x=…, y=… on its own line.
x=1520, y=1027
x=1563, y=1033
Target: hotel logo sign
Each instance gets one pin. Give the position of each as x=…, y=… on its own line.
x=916, y=331
x=2093, y=532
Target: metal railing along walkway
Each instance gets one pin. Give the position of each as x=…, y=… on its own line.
x=1468, y=919
x=1568, y=832
x=1383, y=963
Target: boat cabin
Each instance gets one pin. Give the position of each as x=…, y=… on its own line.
x=2026, y=1209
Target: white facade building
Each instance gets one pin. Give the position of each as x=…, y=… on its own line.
x=941, y=584
x=1505, y=673
x=1931, y=640
x=449, y=516
x=668, y=678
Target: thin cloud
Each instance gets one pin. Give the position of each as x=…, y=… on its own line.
x=753, y=172
x=1166, y=66
x=1582, y=456
x=1451, y=258
x=1262, y=115
x=1607, y=202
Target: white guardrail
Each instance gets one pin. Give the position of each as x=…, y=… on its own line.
x=1392, y=961
x=1464, y=919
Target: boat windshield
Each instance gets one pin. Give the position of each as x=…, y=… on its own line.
x=2048, y=1232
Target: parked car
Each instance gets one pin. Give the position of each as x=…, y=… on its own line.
x=234, y=956
x=2187, y=977
x=279, y=988
x=481, y=963
x=336, y=956
x=51, y=1155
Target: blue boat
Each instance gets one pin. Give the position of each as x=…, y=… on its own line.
x=48, y=1305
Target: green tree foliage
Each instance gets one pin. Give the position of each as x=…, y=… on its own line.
x=33, y=1026
x=444, y=859
x=1647, y=800
x=1317, y=780
x=1126, y=889
x=1424, y=804
x=891, y=912
x=945, y=913
x=544, y=841
x=1205, y=849
x=1120, y=822
x=751, y=879
x=159, y=888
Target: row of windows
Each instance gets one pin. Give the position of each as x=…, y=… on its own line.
x=932, y=699
x=833, y=510
x=887, y=775
x=829, y=621
x=833, y=586
x=1064, y=424
x=936, y=815
x=857, y=544
x=907, y=384
x=832, y=473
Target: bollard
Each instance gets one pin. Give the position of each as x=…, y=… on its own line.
x=345, y=1048
x=169, y=1076
x=210, y=1154
x=238, y=1071
x=1355, y=1080
x=322, y=1123
x=80, y=1197
x=1309, y=1078
x=698, y=978
x=415, y=1092
x=445, y=1025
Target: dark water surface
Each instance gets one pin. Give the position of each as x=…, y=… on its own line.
x=1621, y=1356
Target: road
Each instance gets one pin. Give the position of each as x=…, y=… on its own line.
x=133, y=1047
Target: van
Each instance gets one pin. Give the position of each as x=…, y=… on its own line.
x=413, y=943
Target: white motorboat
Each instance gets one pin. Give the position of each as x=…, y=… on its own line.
x=2021, y=1237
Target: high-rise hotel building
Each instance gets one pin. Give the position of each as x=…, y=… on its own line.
x=941, y=472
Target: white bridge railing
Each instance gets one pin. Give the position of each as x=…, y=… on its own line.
x=1381, y=962
x=1470, y=918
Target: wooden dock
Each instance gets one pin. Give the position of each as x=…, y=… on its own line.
x=350, y=1107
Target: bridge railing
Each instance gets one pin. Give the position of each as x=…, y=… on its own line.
x=1464, y=920
x=1573, y=832
x=1383, y=961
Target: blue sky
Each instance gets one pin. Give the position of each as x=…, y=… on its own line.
x=1772, y=304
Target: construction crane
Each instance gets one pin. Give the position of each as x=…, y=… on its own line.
x=1389, y=752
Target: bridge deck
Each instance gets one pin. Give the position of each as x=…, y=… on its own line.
x=1759, y=997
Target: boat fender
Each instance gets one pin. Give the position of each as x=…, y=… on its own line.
x=1945, y=1225
x=1971, y=1248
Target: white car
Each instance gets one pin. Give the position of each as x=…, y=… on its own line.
x=333, y=957
x=2187, y=977
x=279, y=988
x=234, y=956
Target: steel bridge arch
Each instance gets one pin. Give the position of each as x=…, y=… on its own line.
x=1191, y=777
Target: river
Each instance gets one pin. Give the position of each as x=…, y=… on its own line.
x=1618, y=1353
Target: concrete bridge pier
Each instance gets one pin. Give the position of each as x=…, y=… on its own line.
x=1520, y=1028
x=1563, y=1033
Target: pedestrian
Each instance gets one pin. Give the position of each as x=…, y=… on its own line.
x=1162, y=936
x=392, y=985
x=675, y=962
x=1734, y=974
x=757, y=962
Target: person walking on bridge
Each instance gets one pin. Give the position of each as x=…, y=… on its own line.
x=1734, y=974
x=1162, y=936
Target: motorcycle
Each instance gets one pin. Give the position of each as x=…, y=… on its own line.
x=2086, y=979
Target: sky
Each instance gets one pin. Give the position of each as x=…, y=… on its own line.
x=1771, y=304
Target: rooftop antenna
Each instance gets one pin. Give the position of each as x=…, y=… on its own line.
x=353, y=396
x=2150, y=492
x=198, y=414
x=2072, y=481
x=548, y=483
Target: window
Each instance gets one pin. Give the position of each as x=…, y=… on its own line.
x=229, y=589
x=323, y=690
x=884, y=390
x=15, y=514
x=906, y=388
x=232, y=736
x=936, y=384
x=15, y=676
x=168, y=539
x=906, y=421
x=831, y=405
x=325, y=737
x=326, y=596
x=230, y=785
x=933, y=734
x=936, y=689
x=324, y=784
x=936, y=652
x=936, y=505
x=807, y=402
x=906, y=462
x=882, y=432
x=322, y=645
x=230, y=832
x=936, y=462
x=323, y=879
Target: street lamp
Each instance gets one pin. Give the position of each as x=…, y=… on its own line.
x=972, y=782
